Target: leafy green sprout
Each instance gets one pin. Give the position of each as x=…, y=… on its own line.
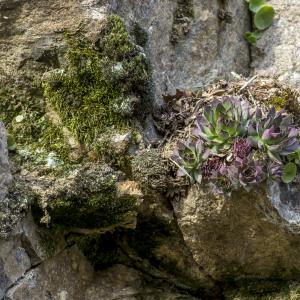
x=263, y=18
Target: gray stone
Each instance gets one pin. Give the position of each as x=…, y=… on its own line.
x=212, y=47
x=14, y=263
x=121, y=282
x=277, y=52
x=65, y=276
x=5, y=175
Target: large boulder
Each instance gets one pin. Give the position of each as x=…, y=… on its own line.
x=249, y=235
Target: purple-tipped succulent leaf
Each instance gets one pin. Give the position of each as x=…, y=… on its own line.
x=223, y=121
x=274, y=133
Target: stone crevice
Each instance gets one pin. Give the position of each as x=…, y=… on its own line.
x=18, y=281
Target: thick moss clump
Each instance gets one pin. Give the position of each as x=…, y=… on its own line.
x=96, y=82
x=23, y=111
x=93, y=94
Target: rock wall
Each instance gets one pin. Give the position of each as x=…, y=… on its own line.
x=277, y=52
x=152, y=248
x=190, y=47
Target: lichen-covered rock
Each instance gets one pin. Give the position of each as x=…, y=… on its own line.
x=150, y=169
x=189, y=43
x=87, y=197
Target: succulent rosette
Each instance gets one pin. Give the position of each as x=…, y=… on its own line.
x=221, y=122
x=211, y=167
x=274, y=133
x=241, y=148
x=246, y=172
x=233, y=147
x=189, y=157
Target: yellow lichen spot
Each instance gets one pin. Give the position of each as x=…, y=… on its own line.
x=278, y=102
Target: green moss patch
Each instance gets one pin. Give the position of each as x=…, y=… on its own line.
x=23, y=111
x=92, y=95
x=91, y=88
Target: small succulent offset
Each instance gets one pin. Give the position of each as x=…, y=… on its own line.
x=189, y=157
x=221, y=122
x=235, y=145
x=274, y=133
x=245, y=172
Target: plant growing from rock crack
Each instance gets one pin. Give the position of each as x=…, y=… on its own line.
x=263, y=18
x=189, y=156
x=234, y=145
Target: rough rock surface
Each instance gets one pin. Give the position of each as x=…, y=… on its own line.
x=5, y=175
x=277, y=52
x=29, y=271
x=240, y=237
x=212, y=45
x=159, y=255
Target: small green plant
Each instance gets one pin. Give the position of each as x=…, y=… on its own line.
x=263, y=18
x=189, y=157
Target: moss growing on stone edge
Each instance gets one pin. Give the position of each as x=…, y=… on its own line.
x=88, y=198
x=88, y=92
x=98, y=210
x=23, y=111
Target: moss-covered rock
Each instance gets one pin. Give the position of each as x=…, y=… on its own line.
x=89, y=92
x=91, y=95
x=150, y=169
x=23, y=111
x=183, y=17
x=90, y=197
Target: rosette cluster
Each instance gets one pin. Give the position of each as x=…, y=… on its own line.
x=234, y=145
